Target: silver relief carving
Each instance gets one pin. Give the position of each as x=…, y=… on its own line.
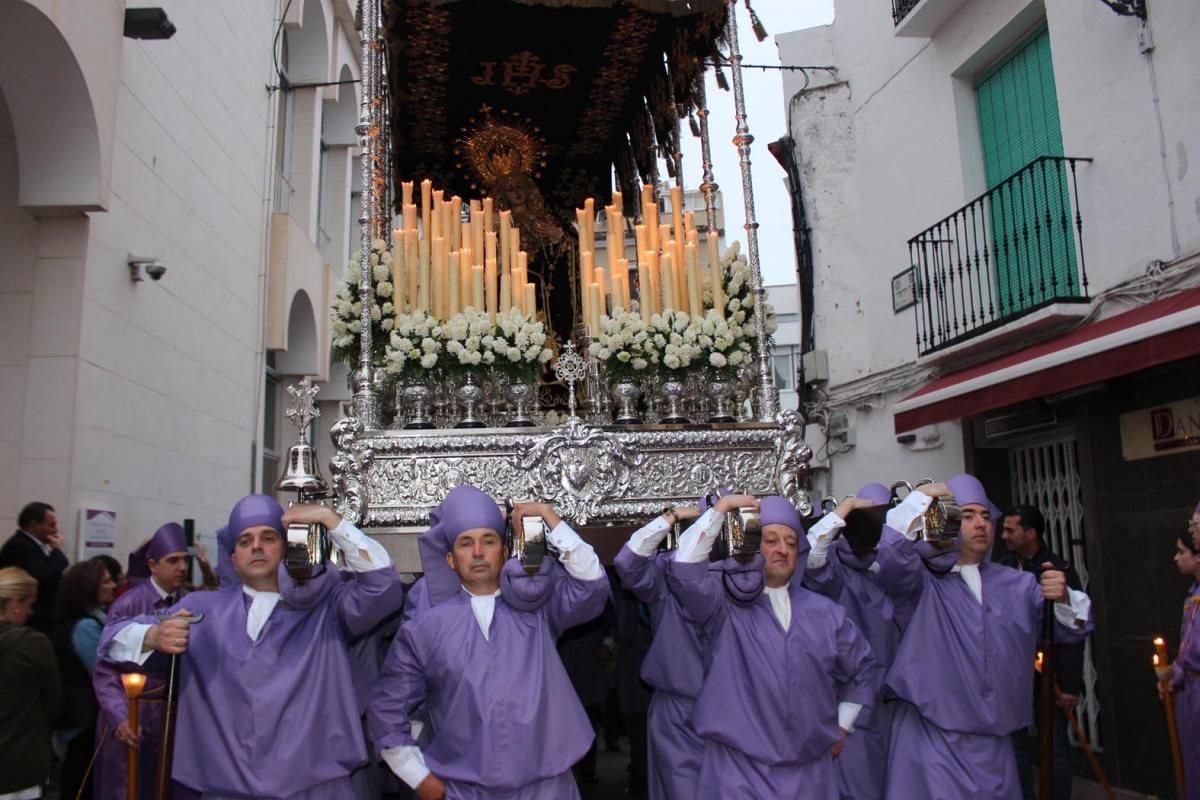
x=348, y=466
x=590, y=473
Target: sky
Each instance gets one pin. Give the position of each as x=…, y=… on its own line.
x=766, y=114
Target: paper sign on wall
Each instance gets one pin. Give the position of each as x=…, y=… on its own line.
x=97, y=533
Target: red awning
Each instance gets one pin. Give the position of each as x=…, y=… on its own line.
x=1156, y=333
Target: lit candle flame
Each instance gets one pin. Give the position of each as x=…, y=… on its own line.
x=1156, y=659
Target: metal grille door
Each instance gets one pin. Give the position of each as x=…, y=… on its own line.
x=1047, y=476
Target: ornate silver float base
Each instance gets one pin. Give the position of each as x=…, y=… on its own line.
x=590, y=473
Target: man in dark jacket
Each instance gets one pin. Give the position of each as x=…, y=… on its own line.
x=1023, y=529
x=36, y=547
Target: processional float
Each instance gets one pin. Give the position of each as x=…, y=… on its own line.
x=469, y=98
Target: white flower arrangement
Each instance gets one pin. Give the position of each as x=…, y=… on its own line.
x=415, y=343
x=346, y=320
x=728, y=339
x=463, y=335
x=625, y=344
x=518, y=343
x=678, y=339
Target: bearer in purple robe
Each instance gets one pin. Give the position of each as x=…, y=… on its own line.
x=847, y=576
x=267, y=706
x=675, y=663
x=157, y=572
x=962, y=672
x=789, y=671
x=1184, y=672
x=481, y=660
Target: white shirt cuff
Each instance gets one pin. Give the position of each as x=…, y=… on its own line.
x=362, y=553
x=408, y=763
x=697, y=541
x=909, y=517
x=127, y=645
x=578, y=557
x=820, y=536
x=646, y=539
x=1076, y=612
x=847, y=713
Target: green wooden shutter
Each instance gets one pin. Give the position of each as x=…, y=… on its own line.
x=1034, y=261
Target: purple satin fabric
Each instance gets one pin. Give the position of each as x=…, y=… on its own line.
x=1186, y=680
x=768, y=708
x=249, y=723
x=494, y=703
x=109, y=770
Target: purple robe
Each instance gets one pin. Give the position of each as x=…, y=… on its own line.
x=768, y=707
x=847, y=580
x=109, y=770
x=961, y=675
x=674, y=666
x=506, y=722
x=250, y=724
x=1185, y=682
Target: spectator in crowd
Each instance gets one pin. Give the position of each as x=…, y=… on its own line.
x=86, y=591
x=36, y=547
x=29, y=690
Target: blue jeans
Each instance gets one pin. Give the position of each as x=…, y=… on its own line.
x=1025, y=745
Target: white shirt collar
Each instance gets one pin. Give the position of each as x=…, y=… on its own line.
x=971, y=576
x=781, y=604
x=261, y=606
x=161, y=591
x=483, y=606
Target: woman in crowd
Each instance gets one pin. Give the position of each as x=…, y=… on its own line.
x=86, y=590
x=29, y=691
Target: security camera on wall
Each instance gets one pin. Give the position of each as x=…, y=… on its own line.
x=147, y=264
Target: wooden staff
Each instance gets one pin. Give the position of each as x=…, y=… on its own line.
x=166, y=750
x=1046, y=709
x=133, y=682
x=1168, y=700
x=1093, y=762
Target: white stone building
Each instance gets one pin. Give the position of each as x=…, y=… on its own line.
x=1030, y=163
x=225, y=154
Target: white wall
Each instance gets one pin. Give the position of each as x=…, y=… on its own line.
x=890, y=146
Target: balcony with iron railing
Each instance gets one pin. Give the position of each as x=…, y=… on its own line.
x=1009, y=254
x=900, y=9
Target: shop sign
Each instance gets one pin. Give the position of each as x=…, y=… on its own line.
x=1162, y=430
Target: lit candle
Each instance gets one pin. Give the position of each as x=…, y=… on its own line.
x=521, y=280
x=644, y=299
x=477, y=231
x=413, y=266
x=589, y=210
x=1160, y=652
x=505, y=254
x=456, y=234
x=587, y=267
x=399, y=250
x=715, y=275
x=530, y=305
x=677, y=212
x=489, y=246
x=464, y=279
x=595, y=301
x=490, y=284
x=505, y=291
x=406, y=193
x=602, y=306
x=668, y=292
x=477, y=290
x=438, y=215
x=454, y=286
x=423, y=278
x=426, y=204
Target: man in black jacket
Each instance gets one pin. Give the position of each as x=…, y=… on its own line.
x=36, y=547
x=1022, y=533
